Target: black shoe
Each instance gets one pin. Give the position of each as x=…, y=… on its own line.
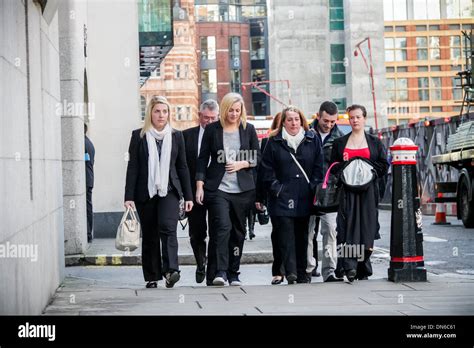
x=200, y=274
x=291, y=278
x=171, y=278
x=350, y=274
x=251, y=235
x=306, y=279
x=332, y=278
x=339, y=273
x=151, y=285
x=315, y=273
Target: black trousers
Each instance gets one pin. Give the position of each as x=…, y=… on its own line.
x=159, y=219
x=90, y=215
x=292, y=237
x=198, y=233
x=227, y=214
x=277, y=266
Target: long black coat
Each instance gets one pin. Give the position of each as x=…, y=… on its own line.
x=136, y=187
x=357, y=218
x=289, y=192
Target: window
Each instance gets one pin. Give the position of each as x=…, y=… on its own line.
x=423, y=89
x=177, y=71
x=459, y=8
x=420, y=28
x=257, y=48
x=402, y=89
x=391, y=90
x=434, y=48
x=258, y=75
x=338, y=70
x=208, y=47
x=186, y=71
x=457, y=90
x=341, y=104
x=435, y=92
x=395, y=49
x=156, y=73
x=207, y=13
x=235, y=81
x=209, y=81
x=435, y=68
x=455, y=47
x=426, y=9
x=183, y=113
x=395, y=10
x=422, y=48
x=422, y=68
x=390, y=69
x=336, y=15
x=234, y=52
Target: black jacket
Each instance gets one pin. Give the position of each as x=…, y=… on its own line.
x=213, y=146
x=136, y=187
x=378, y=154
x=191, y=141
x=289, y=193
x=89, y=158
x=328, y=142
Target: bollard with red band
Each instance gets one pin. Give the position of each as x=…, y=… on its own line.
x=406, y=237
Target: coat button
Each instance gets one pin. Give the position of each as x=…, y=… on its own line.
x=297, y=175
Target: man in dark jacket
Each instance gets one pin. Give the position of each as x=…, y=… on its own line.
x=326, y=129
x=89, y=159
x=208, y=113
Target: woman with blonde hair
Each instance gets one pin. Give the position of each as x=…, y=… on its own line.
x=227, y=187
x=157, y=177
x=291, y=168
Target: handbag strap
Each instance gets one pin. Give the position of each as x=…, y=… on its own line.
x=127, y=212
x=326, y=177
x=300, y=167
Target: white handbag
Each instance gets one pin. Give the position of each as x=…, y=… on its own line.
x=128, y=232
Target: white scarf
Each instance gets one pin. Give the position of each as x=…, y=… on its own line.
x=293, y=140
x=158, y=168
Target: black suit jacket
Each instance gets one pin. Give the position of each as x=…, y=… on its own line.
x=378, y=154
x=136, y=187
x=191, y=141
x=90, y=151
x=213, y=146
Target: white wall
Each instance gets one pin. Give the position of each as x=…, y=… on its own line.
x=31, y=211
x=113, y=72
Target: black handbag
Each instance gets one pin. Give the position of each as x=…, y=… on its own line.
x=263, y=217
x=328, y=194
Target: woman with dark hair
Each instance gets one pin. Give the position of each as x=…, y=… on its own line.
x=227, y=186
x=357, y=218
x=291, y=168
x=157, y=176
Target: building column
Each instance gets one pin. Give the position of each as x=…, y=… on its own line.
x=72, y=17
